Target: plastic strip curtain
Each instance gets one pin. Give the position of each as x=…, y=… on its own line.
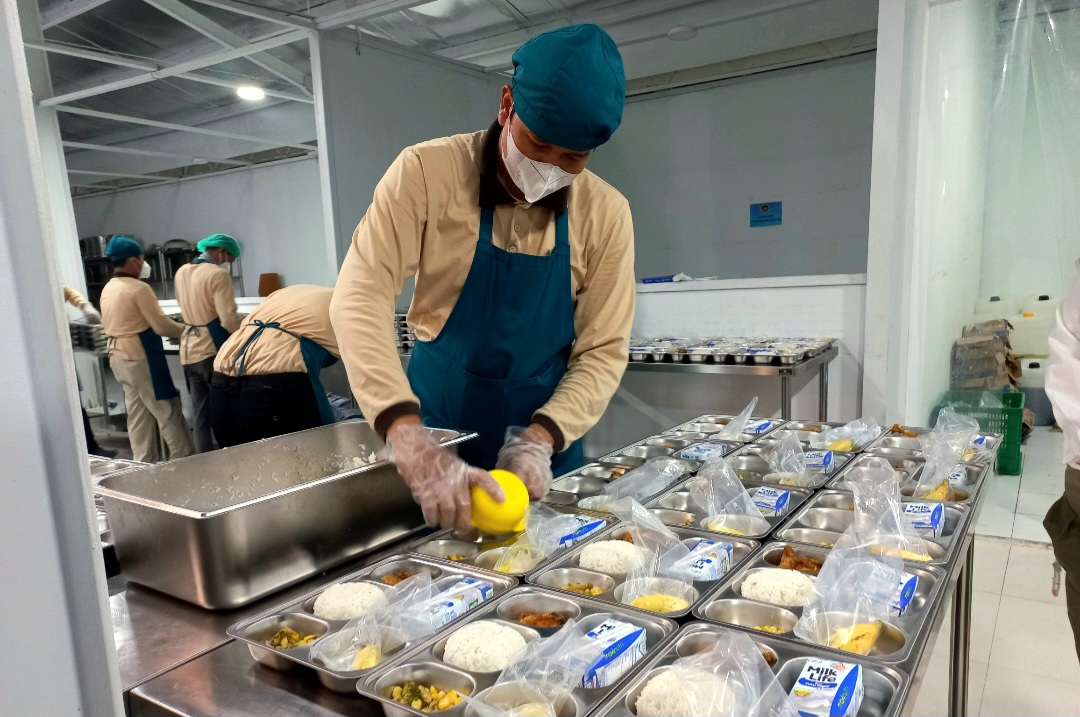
x=1033, y=163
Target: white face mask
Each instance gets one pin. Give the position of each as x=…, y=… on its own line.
x=144, y=272
x=535, y=179
x=227, y=266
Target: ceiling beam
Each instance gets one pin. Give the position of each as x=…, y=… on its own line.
x=281, y=18
x=182, y=128
x=88, y=54
x=177, y=70
x=223, y=36
x=64, y=11
x=120, y=175
x=152, y=153
x=354, y=11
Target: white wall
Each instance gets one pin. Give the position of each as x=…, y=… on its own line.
x=274, y=211
x=692, y=162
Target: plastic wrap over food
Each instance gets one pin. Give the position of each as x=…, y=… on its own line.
x=852, y=436
x=879, y=513
x=366, y=641
x=788, y=463
x=641, y=483
x=730, y=680
x=943, y=448
x=728, y=506
x=737, y=425
x=546, y=531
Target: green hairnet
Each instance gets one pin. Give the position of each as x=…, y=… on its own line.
x=121, y=248
x=220, y=240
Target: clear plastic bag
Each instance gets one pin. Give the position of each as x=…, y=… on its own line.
x=860, y=432
x=366, y=641
x=943, y=448
x=788, y=463
x=546, y=531
x=728, y=506
x=737, y=425
x=639, y=484
x=879, y=513
x=853, y=597
x=730, y=680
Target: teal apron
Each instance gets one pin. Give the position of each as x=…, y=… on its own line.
x=316, y=358
x=164, y=388
x=217, y=332
x=504, y=348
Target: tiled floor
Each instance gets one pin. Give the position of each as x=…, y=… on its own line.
x=1023, y=660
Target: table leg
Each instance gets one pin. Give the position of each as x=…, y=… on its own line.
x=785, y=397
x=823, y=392
x=104, y=395
x=960, y=652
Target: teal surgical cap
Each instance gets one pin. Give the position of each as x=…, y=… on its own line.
x=121, y=248
x=569, y=86
x=220, y=240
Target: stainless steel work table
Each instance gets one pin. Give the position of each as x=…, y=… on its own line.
x=786, y=373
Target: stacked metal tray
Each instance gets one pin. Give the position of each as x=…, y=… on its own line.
x=825, y=517
x=425, y=663
x=676, y=508
x=910, y=470
x=901, y=446
x=723, y=350
x=403, y=334
x=566, y=569
x=884, y=687
x=299, y=615
x=900, y=635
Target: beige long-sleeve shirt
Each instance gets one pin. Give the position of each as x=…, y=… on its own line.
x=73, y=297
x=205, y=293
x=129, y=307
x=302, y=309
x=424, y=220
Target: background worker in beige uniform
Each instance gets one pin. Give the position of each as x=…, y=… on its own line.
x=524, y=283
x=134, y=322
x=73, y=297
x=204, y=290
x=266, y=375
x=1062, y=521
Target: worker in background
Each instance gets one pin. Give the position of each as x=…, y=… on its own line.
x=524, y=272
x=73, y=297
x=266, y=375
x=204, y=290
x=1062, y=521
x=135, y=324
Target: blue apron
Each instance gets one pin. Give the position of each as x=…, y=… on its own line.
x=316, y=358
x=164, y=388
x=217, y=332
x=504, y=348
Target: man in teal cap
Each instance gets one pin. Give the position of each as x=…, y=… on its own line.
x=524, y=293
x=135, y=324
x=204, y=290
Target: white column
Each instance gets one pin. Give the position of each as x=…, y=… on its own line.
x=67, y=663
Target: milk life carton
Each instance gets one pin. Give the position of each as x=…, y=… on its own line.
x=623, y=645
x=708, y=560
x=771, y=501
x=925, y=518
x=828, y=689
x=584, y=526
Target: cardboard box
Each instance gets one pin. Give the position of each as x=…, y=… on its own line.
x=973, y=348
x=996, y=327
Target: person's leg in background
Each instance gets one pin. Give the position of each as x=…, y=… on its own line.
x=197, y=375
x=167, y=415
x=223, y=396
x=275, y=405
x=1062, y=523
x=142, y=427
x=1072, y=600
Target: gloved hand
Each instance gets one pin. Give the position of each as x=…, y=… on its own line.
x=91, y=314
x=439, y=480
x=528, y=456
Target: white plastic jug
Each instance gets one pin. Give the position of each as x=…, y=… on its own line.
x=1034, y=373
x=1030, y=335
x=1039, y=304
x=997, y=306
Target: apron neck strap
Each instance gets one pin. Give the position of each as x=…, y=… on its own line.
x=562, y=227
x=487, y=220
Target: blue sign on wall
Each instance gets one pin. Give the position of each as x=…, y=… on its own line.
x=766, y=214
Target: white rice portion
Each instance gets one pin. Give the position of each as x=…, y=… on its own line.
x=483, y=646
x=611, y=557
x=779, y=586
x=685, y=693
x=345, y=601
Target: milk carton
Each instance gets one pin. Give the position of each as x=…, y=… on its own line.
x=958, y=477
x=759, y=427
x=925, y=518
x=623, y=645
x=458, y=599
x=904, y=593
x=704, y=451
x=584, y=526
x=819, y=461
x=708, y=560
x=771, y=501
x=828, y=689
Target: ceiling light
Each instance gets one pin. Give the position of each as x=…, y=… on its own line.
x=681, y=33
x=250, y=92
x=200, y=160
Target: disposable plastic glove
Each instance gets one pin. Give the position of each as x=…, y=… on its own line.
x=91, y=314
x=439, y=480
x=528, y=456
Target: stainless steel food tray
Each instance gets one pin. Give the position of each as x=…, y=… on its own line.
x=299, y=615
x=425, y=663
x=224, y=528
x=899, y=637
x=804, y=430
x=714, y=423
x=884, y=687
x=479, y=549
x=911, y=470
x=752, y=467
x=101, y=467
x=890, y=444
x=566, y=569
x=567, y=491
x=832, y=512
x=675, y=507
x=762, y=448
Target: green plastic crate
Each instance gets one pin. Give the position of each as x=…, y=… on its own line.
x=1008, y=421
